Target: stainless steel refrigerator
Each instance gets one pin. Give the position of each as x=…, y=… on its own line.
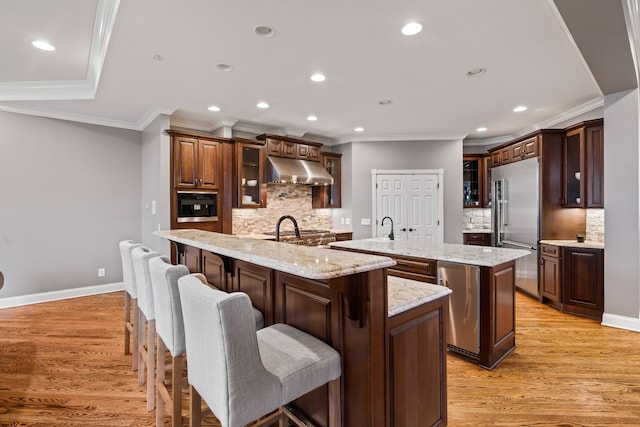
x=515, y=218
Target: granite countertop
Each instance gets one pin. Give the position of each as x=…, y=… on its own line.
x=304, y=261
x=262, y=236
x=404, y=294
x=574, y=244
x=477, y=230
x=484, y=256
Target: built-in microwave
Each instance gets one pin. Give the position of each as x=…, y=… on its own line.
x=197, y=206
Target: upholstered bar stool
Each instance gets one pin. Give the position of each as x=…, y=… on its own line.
x=244, y=375
x=146, y=354
x=130, y=300
x=170, y=332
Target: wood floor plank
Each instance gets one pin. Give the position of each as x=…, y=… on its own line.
x=63, y=364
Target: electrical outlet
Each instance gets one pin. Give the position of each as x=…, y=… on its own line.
x=347, y=221
x=342, y=221
x=365, y=221
x=102, y=272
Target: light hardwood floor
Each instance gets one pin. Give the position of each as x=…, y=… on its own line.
x=61, y=364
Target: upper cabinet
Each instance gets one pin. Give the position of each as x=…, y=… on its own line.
x=472, y=181
x=196, y=163
x=284, y=146
x=583, y=161
x=251, y=190
x=329, y=196
x=515, y=151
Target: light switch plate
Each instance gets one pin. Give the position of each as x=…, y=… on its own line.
x=365, y=221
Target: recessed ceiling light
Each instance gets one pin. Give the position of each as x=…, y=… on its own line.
x=359, y=129
x=262, y=104
x=41, y=44
x=318, y=77
x=264, y=31
x=412, y=28
x=385, y=102
x=312, y=118
x=476, y=72
x=158, y=57
x=224, y=67
x=214, y=108
x=520, y=109
x=482, y=129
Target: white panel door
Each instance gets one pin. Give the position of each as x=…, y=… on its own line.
x=391, y=202
x=412, y=201
x=422, y=218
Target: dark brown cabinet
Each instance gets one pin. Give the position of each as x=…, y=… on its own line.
x=520, y=149
x=472, y=181
x=572, y=279
x=583, y=287
x=476, y=181
x=329, y=196
x=196, y=163
x=550, y=273
x=251, y=190
x=284, y=146
x=583, y=161
x=478, y=239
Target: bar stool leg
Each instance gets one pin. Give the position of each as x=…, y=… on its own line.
x=151, y=372
x=195, y=409
x=128, y=326
x=136, y=335
x=160, y=376
x=176, y=390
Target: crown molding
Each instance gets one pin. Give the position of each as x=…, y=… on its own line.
x=403, y=137
x=71, y=89
x=490, y=141
x=145, y=121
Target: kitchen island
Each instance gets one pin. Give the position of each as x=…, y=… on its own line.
x=393, y=367
x=484, y=331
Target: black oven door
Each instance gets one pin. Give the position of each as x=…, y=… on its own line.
x=197, y=206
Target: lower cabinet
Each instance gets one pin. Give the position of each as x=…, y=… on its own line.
x=572, y=279
x=416, y=378
x=478, y=239
x=550, y=273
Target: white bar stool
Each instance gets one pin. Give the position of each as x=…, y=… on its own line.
x=146, y=354
x=244, y=375
x=130, y=299
x=170, y=331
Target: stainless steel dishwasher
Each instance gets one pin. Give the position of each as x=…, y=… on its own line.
x=463, y=334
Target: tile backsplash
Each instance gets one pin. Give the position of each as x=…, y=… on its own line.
x=595, y=225
x=475, y=219
x=282, y=199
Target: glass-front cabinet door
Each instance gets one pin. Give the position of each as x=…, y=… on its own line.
x=472, y=181
x=329, y=196
x=573, y=154
x=250, y=166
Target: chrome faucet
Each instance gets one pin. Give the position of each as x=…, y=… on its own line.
x=382, y=223
x=295, y=227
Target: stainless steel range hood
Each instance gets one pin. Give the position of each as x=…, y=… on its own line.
x=297, y=171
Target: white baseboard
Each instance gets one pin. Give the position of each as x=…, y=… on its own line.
x=621, y=322
x=58, y=295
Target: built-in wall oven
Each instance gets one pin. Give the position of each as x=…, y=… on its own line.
x=197, y=206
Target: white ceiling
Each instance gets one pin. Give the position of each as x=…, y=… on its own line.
x=103, y=70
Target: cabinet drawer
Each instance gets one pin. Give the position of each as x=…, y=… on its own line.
x=340, y=237
x=550, y=250
x=480, y=239
x=426, y=267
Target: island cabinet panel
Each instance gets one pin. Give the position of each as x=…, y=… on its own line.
x=190, y=257
x=213, y=268
x=313, y=307
x=497, y=314
x=416, y=377
x=257, y=282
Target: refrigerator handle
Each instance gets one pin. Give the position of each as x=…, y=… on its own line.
x=504, y=209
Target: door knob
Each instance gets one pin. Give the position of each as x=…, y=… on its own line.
x=403, y=229
x=413, y=229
